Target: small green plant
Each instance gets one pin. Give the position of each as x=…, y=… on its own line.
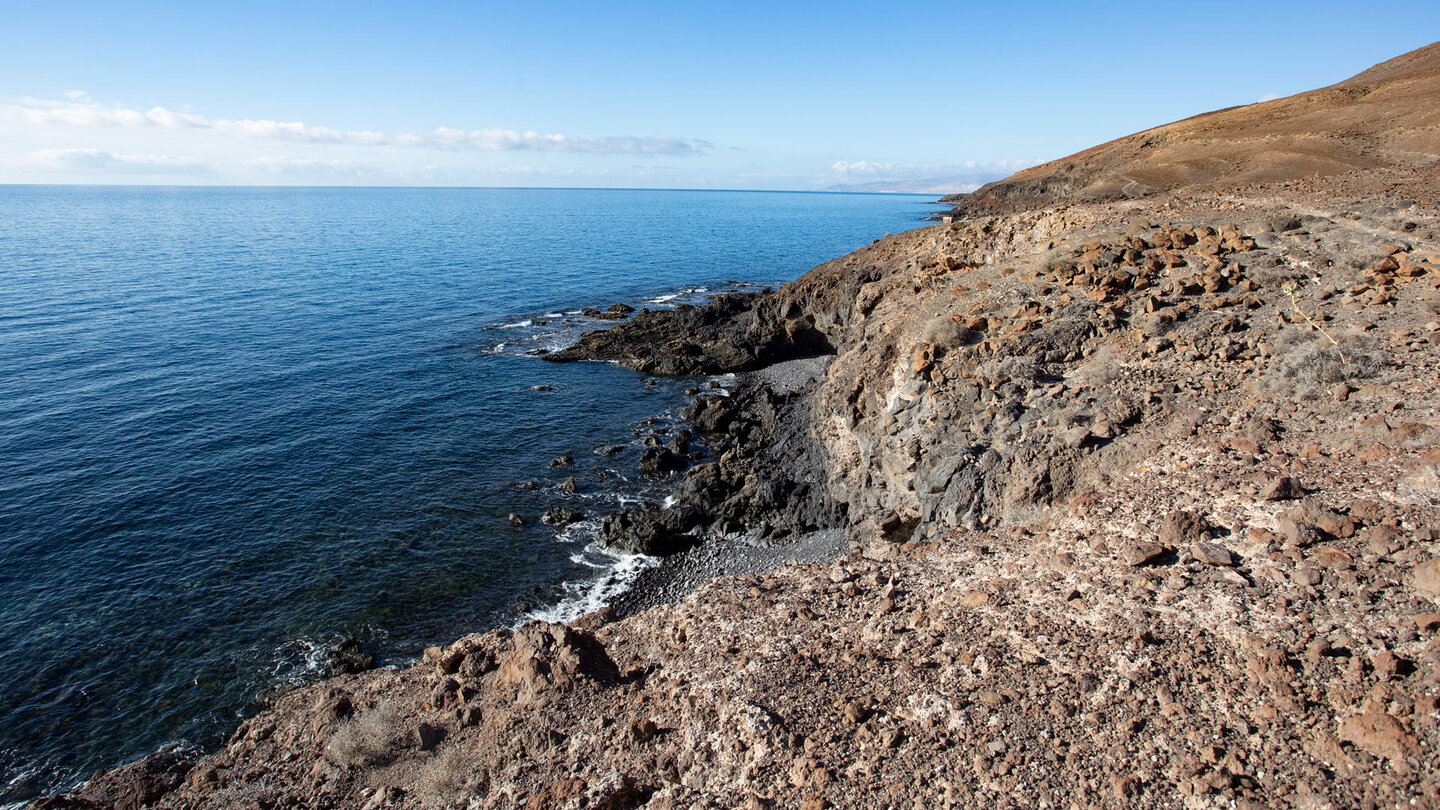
x=1290, y=287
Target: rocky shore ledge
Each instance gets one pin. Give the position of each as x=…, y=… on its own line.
x=1136, y=502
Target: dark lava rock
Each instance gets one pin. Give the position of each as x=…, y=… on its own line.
x=651, y=531
x=710, y=413
x=662, y=461
x=731, y=332
x=347, y=657
x=562, y=461
x=1284, y=488
x=562, y=516
x=611, y=315
x=429, y=736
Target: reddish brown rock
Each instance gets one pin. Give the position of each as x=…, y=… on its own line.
x=1378, y=733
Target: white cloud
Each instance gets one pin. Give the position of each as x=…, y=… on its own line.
x=304, y=166
x=102, y=160
x=861, y=167
x=81, y=112
x=1268, y=97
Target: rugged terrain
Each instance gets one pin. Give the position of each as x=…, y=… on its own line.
x=1143, y=503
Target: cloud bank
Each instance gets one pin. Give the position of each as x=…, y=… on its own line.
x=918, y=178
x=81, y=112
x=102, y=160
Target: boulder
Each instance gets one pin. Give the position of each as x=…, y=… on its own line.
x=1425, y=579
x=1213, y=554
x=651, y=531
x=662, y=461
x=1378, y=733
x=562, y=516
x=1183, y=527
x=546, y=657
x=347, y=657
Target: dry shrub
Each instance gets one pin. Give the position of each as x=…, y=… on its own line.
x=1308, y=363
x=1100, y=369
x=370, y=738
x=447, y=781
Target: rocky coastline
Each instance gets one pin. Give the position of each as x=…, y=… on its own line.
x=1098, y=495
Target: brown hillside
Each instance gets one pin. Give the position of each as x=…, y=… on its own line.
x=1388, y=116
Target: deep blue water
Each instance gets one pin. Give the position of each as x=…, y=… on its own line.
x=237, y=425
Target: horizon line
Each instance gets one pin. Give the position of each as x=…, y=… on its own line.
x=476, y=188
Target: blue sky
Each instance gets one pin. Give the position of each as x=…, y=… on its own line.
x=676, y=95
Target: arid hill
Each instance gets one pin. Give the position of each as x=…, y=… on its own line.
x=1386, y=117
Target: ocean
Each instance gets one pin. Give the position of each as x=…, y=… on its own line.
x=238, y=425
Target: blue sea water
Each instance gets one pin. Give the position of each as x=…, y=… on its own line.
x=237, y=425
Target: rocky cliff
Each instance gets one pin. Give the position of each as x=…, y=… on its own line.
x=1143, y=502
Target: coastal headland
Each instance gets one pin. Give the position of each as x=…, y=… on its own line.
x=1128, y=486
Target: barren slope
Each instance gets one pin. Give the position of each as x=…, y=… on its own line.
x=1388, y=116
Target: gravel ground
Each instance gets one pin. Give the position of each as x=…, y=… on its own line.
x=724, y=556
x=792, y=375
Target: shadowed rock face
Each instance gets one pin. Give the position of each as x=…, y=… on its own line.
x=730, y=333
x=1381, y=118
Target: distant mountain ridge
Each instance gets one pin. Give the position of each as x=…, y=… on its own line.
x=929, y=185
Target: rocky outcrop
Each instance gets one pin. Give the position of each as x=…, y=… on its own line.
x=734, y=332
x=767, y=476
